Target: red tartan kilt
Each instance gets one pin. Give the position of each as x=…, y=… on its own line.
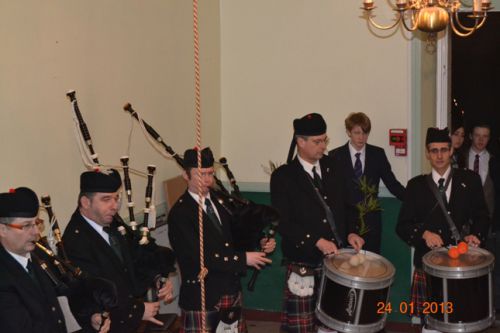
x=298, y=312
x=418, y=291
x=191, y=320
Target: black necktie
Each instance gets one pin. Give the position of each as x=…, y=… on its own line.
x=114, y=242
x=358, y=168
x=476, y=164
x=317, y=180
x=31, y=272
x=442, y=189
x=212, y=216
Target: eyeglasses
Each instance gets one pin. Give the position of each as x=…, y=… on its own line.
x=317, y=142
x=22, y=227
x=436, y=151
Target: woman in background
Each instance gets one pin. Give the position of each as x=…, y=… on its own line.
x=457, y=141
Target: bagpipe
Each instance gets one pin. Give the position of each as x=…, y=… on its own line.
x=153, y=262
x=251, y=222
x=71, y=281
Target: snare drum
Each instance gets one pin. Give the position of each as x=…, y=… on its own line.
x=461, y=289
x=350, y=290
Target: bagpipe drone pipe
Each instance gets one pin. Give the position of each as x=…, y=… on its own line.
x=151, y=261
x=251, y=221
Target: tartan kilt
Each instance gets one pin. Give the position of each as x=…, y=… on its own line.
x=298, y=312
x=191, y=320
x=418, y=291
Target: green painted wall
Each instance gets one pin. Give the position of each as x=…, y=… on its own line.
x=268, y=292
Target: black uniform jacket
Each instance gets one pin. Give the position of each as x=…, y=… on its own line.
x=421, y=212
x=225, y=265
x=26, y=307
x=376, y=167
x=89, y=251
x=302, y=216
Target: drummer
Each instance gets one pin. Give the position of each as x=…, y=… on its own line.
x=422, y=222
x=310, y=199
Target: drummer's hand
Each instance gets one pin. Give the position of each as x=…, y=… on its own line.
x=257, y=259
x=432, y=240
x=326, y=247
x=472, y=240
x=268, y=244
x=356, y=241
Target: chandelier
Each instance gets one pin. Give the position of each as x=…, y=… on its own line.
x=432, y=16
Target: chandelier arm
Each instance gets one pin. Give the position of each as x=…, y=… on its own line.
x=463, y=27
x=469, y=31
x=482, y=22
x=413, y=23
x=382, y=27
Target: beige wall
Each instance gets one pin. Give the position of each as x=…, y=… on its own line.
x=282, y=59
x=110, y=52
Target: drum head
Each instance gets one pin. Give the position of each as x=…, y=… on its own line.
x=474, y=262
x=363, y=266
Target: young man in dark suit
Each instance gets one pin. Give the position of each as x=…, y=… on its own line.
x=224, y=263
x=357, y=159
x=484, y=162
x=93, y=243
x=423, y=225
x=313, y=223
x=28, y=298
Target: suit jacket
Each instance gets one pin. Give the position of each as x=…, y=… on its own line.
x=376, y=167
x=420, y=211
x=26, y=307
x=491, y=187
x=225, y=265
x=302, y=216
x=89, y=251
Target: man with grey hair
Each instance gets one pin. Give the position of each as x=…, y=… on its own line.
x=28, y=299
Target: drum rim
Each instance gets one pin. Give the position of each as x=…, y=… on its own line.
x=474, y=271
x=336, y=324
x=389, y=278
x=474, y=326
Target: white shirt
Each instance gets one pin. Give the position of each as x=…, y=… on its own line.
x=99, y=228
x=308, y=167
x=362, y=155
x=22, y=260
x=436, y=176
x=196, y=198
x=484, y=160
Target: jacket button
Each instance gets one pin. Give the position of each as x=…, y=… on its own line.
x=226, y=258
x=235, y=258
x=325, y=197
x=59, y=321
x=130, y=315
x=53, y=308
x=227, y=244
x=308, y=236
x=324, y=220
